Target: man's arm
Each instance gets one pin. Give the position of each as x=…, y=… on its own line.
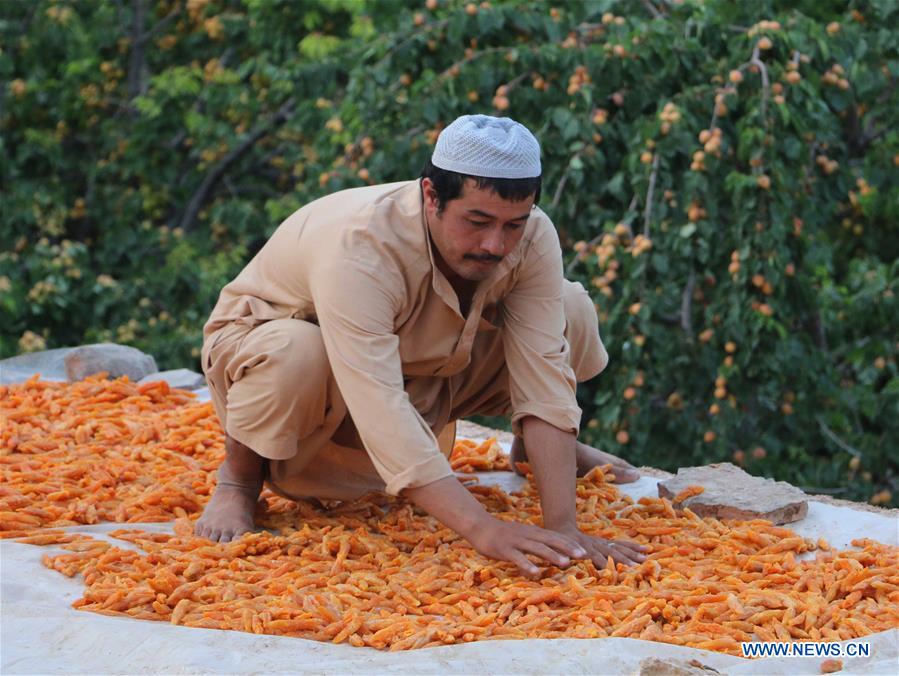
x=551, y=455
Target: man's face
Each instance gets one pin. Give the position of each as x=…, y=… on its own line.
x=475, y=231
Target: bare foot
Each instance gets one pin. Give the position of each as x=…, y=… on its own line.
x=228, y=515
x=587, y=458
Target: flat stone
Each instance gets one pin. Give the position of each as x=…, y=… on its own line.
x=654, y=666
x=181, y=379
x=50, y=364
x=731, y=493
x=115, y=360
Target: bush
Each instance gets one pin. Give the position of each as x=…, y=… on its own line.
x=723, y=175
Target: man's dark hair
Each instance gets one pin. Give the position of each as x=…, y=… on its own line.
x=448, y=185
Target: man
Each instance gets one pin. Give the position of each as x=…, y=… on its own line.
x=340, y=358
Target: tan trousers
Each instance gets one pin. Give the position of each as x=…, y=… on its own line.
x=273, y=390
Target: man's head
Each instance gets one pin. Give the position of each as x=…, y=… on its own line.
x=479, y=187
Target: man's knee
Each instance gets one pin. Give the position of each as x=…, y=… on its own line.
x=281, y=389
x=588, y=354
x=290, y=350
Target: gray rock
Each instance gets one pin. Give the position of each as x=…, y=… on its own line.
x=731, y=493
x=182, y=379
x=50, y=364
x=654, y=666
x=116, y=360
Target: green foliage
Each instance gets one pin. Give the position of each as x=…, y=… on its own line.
x=723, y=175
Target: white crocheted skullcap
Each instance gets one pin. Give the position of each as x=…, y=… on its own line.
x=489, y=147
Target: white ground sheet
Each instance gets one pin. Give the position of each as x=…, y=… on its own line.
x=41, y=634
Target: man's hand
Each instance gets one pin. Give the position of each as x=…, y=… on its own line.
x=552, y=455
x=598, y=549
x=589, y=457
x=450, y=502
x=510, y=541
x=586, y=458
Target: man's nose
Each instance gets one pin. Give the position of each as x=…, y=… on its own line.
x=494, y=242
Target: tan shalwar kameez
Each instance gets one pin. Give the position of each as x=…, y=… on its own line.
x=340, y=352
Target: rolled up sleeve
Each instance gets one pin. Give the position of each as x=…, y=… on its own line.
x=355, y=308
x=541, y=379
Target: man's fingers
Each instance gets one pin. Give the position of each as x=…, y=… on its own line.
x=625, y=475
x=548, y=554
x=622, y=553
x=561, y=543
x=527, y=568
x=627, y=544
x=624, y=472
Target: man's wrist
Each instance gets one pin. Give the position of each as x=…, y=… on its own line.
x=561, y=525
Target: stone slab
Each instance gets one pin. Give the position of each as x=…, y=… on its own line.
x=182, y=379
x=654, y=666
x=731, y=493
x=50, y=364
x=115, y=360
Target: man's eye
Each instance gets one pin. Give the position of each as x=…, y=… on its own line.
x=514, y=226
x=478, y=222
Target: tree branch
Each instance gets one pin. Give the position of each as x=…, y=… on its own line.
x=830, y=434
x=647, y=214
x=593, y=242
x=199, y=197
x=137, y=63
x=656, y=14
x=562, y=181
x=162, y=23
x=763, y=70
x=686, y=305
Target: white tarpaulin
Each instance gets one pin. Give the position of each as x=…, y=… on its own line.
x=41, y=634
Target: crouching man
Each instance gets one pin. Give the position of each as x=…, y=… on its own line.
x=340, y=358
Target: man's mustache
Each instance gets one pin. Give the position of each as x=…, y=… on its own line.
x=485, y=257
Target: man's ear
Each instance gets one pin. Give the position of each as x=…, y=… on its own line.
x=429, y=192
